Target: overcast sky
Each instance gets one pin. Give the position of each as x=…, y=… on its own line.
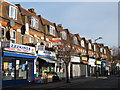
x=89, y=19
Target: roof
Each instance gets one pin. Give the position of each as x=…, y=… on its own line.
x=6, y=10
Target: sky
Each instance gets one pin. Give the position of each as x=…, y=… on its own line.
x=90, y=19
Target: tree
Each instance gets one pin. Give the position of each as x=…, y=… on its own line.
x=65, y=53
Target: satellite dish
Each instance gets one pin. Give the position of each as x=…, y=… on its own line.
x=12, y=23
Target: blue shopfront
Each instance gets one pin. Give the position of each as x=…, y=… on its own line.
x=17, y=65
x=103, y=67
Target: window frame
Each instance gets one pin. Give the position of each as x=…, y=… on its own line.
x=82, y=43
x=13, y=12
x=31, y=39
x=34, y=22
x=64, y=35
x=75, y=40
x=52, y=30
x=13, y=36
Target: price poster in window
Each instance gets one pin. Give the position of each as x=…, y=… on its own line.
x=5, y=65
x=23, y=66
x=10, y=66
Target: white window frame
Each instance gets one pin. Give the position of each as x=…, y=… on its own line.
x=101, y=50
x=34, y=22
x=38, y=40
x=13, y=12
x=104, y=51
x=82, y=43
x=89, y=46
x=64, y=35
x=3, y=28
x=94, y=47
x=31, y=39
x=75, y=40
x=52, y=30
x=13, y=36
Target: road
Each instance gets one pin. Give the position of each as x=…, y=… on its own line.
x=101, y=82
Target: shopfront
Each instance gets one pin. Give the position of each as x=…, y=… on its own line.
x=103, y=68
x=84, y=66
x=98, y=67
x=18, y=64
x=45, y=64
x=75, y=67
x=92, y=66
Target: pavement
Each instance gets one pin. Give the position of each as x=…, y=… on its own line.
x=89, y=82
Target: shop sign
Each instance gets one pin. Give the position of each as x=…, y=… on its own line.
x=48, y=54
x=5, y=44
x=56, y=41
x=41, y=47
x=75, y=59
x=91, y=62
x=84, y=58
x=20, y=48
x=98, y=62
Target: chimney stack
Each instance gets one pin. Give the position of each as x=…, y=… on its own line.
x=32, y=10
x=60, y=25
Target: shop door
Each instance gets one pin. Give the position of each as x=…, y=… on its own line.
x=30, y=72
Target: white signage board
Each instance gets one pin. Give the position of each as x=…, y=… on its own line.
x=75, y=59
x=48, y=54
x=21, y=48
x=91, y=62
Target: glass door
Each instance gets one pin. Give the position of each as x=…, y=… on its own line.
x=30, y=72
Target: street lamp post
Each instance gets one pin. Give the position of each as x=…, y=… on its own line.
x=99, y=56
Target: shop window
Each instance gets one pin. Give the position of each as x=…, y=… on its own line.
x=21, y=70
x=8, y=72
x=13, y=36
x=31, y=39
x=12, y=12
x=34, y=22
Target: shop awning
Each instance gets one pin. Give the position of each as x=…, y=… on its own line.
x=47, y=60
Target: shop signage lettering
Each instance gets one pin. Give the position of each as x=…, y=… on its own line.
x=48, y=54
x=20, y=48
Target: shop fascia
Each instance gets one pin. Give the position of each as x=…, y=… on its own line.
x=91, y=62
x=21, y=48
x=47, y=54
x=75, y=59
x=84, y=59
